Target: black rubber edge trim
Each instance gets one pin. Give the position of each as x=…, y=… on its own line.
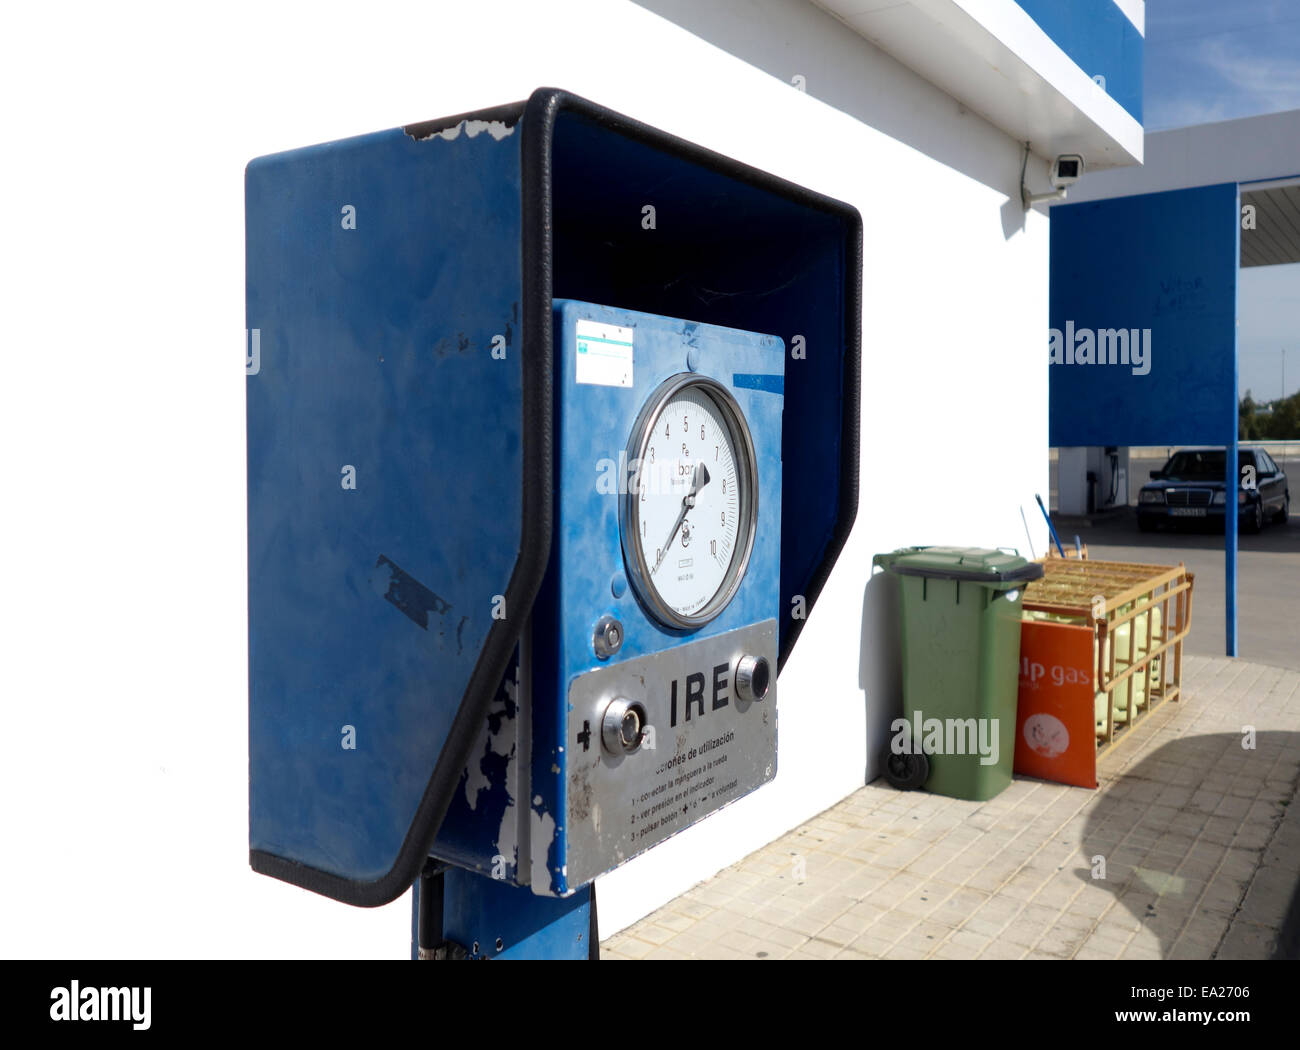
x=851, y=410
x=534, y=548
x=543, y=106
x=546, y=103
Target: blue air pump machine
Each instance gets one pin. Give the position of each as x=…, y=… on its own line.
x=552, y=443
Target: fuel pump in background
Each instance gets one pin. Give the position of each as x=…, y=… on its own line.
x=1092, y=479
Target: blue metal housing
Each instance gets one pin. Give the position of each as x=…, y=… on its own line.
x=402, y=429
x=586, y=580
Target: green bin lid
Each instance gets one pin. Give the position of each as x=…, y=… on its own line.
x=960, y=563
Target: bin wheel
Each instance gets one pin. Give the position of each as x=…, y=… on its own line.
x=907, y=771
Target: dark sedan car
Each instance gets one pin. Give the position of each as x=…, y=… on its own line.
x=1192, y=487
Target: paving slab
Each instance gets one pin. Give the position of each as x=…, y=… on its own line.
x=1189, y=848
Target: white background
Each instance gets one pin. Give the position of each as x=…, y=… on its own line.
x=123, y=783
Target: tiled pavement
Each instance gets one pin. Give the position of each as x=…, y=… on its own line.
x=1198, y=839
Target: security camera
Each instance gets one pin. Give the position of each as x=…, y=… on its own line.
x=1067, y=169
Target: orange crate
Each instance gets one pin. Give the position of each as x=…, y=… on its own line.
x=1101, y=645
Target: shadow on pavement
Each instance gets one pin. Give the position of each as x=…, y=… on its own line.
x=1178, y=839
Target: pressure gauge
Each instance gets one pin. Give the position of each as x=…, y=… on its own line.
x=687, y=519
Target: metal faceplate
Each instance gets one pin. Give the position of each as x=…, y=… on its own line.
x=704, y=747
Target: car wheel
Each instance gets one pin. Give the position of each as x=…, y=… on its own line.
x=1284, y=511
x=1256, y=520
x=907, y=771
x=1146, y=525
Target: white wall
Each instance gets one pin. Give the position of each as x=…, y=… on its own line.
x=124, y=663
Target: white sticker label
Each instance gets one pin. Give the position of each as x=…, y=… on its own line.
x=604, y=354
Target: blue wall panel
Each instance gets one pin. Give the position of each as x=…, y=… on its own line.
x=1164, y=263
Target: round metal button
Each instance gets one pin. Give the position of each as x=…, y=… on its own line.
x=753, y=677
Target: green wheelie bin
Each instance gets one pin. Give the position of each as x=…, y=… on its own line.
x=961, y=655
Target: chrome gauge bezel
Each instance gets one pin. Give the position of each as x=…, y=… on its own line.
x=742, y=445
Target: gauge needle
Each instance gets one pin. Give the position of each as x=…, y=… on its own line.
x=698, y=482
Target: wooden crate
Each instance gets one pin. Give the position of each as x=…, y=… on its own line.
x=1107, y=596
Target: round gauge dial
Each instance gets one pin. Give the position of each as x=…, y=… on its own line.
x=688, y=516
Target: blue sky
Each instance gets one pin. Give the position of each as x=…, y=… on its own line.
x=1208, y=60
x=1268, y=321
